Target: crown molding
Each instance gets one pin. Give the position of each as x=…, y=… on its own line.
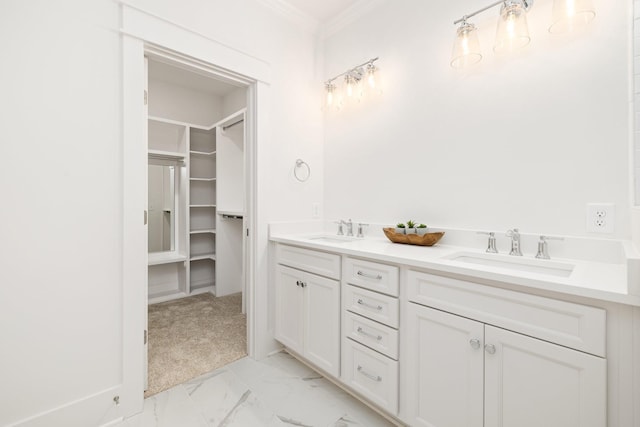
x=348, y=16
x=292, y=13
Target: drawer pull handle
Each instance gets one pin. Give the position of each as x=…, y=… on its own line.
x=376, y=378
x=369, y=276
x=367, y=334
x=490, y=348
x=475, y=343
x=375, y=307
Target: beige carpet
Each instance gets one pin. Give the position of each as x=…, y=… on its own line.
x=191, y=336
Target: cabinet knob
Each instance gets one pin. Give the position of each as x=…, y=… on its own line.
x=490, y=348
x=475, y=343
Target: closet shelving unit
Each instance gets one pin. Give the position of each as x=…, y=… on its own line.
x=168, y=142
x=190, y=268
x=202, y=209
x=210, y=207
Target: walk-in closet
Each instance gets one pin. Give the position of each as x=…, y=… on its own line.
x=196, y=221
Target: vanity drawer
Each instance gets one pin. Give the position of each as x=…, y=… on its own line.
x=318, y=262
x=572, y=325
x=372, y=334
x=371, y=374
x=381, y=308
x=372, y=275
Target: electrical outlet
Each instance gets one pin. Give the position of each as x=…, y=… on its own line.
x=600, y=218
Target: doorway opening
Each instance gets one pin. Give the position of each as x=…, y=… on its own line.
x=198, y=214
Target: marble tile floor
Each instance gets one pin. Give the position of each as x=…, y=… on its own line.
x=277, y=391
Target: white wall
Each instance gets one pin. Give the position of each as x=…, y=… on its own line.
x=523, y=142
x=187, y=105
x=60, y=299
x=234, y=101
x=61, y=226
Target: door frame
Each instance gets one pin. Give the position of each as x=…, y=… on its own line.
x=144, y=33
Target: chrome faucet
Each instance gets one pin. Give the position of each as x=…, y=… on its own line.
x=491, y=245
x=543, y=252
x=361, y=229
x=340, y=229
x=349, y=227
x=515, y=242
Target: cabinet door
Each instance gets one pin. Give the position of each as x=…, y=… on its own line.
x=322, y=322
x=532, y=383
x=445, y=375
x=289, y=308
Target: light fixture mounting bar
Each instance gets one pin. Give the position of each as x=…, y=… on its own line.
x=351, y=70
x=526, y=3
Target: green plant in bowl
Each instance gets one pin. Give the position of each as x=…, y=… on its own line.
x=411, y=227
x=400, y=228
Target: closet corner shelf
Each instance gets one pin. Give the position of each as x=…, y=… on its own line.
x=231, y=214
x=202, y=206
x=161, y=154
x=158, y=258
x=202, y=153
x=203, y=286
x=207, y=231
x=212, y=257
x=202, y=179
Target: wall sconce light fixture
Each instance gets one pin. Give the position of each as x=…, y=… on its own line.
x=352, y=86
x=513, y=32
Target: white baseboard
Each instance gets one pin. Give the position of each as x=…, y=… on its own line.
x=92, y=411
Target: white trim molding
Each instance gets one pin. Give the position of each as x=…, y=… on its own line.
x=348, y=16
x=292, y=13
x=160, y=31
x=143, y=33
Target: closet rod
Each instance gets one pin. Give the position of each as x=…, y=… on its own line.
x=232, y=124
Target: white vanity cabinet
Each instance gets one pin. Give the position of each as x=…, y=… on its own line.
x=482, y=356
x=307, y=305
x=370, y=331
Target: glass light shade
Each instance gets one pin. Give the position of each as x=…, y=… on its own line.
x=353, y=91
x=370, y=76
x=333, y=98
x=569, y=15
x=513, y=31
x=330, y=95
x=339, y=98
x=372, y=82
x=466, y=47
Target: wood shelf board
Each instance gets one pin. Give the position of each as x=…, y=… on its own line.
x=176, y=155
x=202, y=206
x=166, y=296
x=211, y=257
x=207, y=231
x=202, y=179
x=179, y=123
x=234, y=214
x=160, y=258
x=202, y=286
x=202, y=153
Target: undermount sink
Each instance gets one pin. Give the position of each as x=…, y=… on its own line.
x=525, y=265
x=331, y=239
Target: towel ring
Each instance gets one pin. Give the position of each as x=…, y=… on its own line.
x=303, y=175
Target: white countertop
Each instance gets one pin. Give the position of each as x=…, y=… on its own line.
x=605, y=281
